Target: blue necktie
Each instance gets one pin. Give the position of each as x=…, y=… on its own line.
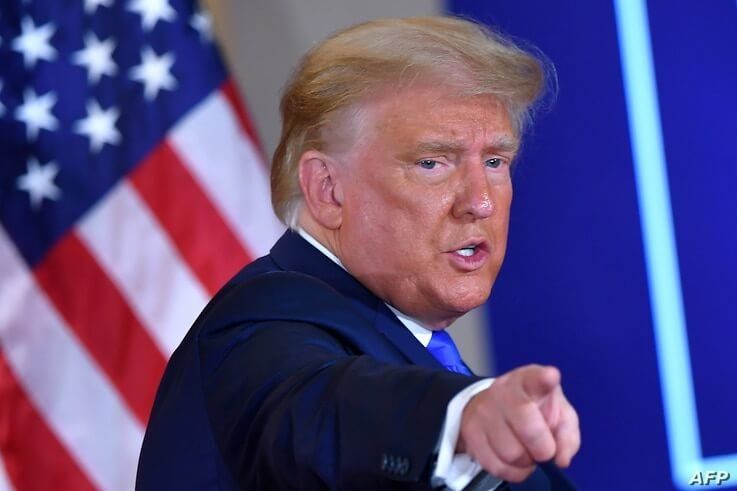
x=444, y=350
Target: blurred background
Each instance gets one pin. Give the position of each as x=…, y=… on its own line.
x=126, y=154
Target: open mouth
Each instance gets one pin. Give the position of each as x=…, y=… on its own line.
x=467, y=251
x=472, y=248
x=470, y=256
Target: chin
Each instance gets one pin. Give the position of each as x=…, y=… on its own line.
x=467, y=297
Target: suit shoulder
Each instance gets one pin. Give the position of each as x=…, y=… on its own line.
x=278, y=295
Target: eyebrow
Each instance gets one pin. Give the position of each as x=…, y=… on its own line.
x=502, y=144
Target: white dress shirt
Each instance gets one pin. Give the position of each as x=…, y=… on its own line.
x=454, y=470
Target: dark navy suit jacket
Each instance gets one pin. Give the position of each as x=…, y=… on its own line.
x=295, y=376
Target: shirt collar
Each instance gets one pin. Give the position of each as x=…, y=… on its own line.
x=317, y=245
x=421, y=333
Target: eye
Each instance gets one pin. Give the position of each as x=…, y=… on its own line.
x=494, y=163
x=428, y=164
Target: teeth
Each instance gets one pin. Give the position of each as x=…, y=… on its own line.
x=466, y=251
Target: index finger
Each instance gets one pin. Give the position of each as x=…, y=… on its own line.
x=539, y=381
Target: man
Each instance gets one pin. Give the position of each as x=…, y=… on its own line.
x=325, y=364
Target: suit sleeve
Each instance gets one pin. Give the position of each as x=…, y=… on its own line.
x=292, y=408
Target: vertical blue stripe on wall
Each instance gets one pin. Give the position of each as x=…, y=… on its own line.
x=660, y=249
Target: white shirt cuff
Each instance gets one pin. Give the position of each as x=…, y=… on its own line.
x=454, y=470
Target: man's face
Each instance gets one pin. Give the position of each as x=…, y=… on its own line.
x=426, y=196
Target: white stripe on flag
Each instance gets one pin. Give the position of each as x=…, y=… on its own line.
x=211, y=143
x=4, y=480
x=127, y=241
x=78, y=403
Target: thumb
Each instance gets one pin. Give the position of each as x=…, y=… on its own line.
x=539, y=381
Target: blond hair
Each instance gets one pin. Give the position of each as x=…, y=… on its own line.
x=357, y=62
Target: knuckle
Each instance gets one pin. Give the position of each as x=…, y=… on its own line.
x=575, y=445
x=569, y=413
x=571, y=437
x=531, y=436
x=545, y=450
x=478, y=402
x=511, y=454
x=540, y=443
x=522, y=459
x=530, y=427
x=574, y=418
x=528, y=411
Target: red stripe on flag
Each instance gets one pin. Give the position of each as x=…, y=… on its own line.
x=102, y=320
x=230, y=91
x=33, y=456
x=212, y=251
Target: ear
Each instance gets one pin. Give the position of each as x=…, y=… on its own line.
x=321, y=187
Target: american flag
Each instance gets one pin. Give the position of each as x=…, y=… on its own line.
x=130, y=190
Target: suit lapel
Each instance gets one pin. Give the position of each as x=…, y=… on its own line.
x=391, y=327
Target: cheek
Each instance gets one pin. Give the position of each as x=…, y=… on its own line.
x=370, y=222
x=420, y=221
x=426, y=206
x=504, y=203
x=401, y=206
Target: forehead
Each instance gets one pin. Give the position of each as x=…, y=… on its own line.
x=426, y=115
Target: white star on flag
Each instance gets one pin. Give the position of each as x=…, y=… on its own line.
x=35, y=113
x=2, y=107
x=90, y=6
x=38, y=182
x=99, y=126
x=96, y=57
x=202, y=23
x=152, y=11
x=33, y=42
x=154, y=73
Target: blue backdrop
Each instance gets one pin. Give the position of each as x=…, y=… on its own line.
x=622, y=260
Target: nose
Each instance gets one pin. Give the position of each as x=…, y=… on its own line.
x=474, y=197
